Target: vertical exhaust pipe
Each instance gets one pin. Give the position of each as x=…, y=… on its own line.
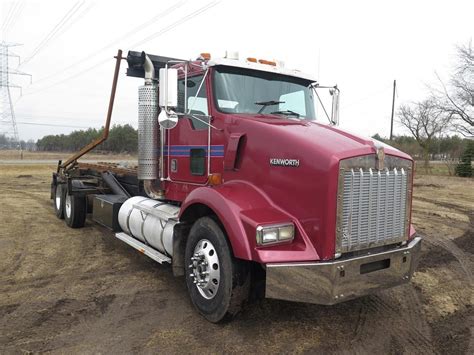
x=148, y=132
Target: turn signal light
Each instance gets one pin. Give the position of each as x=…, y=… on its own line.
x=206, y=56
x=268, y=62
x=251, y=59
x=215, y=179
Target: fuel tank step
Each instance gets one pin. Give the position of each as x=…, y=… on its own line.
x=143, y=248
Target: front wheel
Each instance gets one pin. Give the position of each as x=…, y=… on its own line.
x=217, y=282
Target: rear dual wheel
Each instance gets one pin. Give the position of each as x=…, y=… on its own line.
x=75, y=210
x=218, y=284
x=59, y=197
x=71, y=208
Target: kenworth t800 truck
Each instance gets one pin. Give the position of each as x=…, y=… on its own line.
x=238, y=184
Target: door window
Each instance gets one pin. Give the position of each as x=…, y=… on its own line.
x=196, y=104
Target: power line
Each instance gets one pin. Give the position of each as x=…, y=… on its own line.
x=117, y=40
x=77, y=18
x=52, y=34
x=9, y=15
x=177, y=23
x=5, y=21
x=50, y=125
x=63, y=125
x=159, y=33
x=10, y=12
x=91, y=120
x=13, y=17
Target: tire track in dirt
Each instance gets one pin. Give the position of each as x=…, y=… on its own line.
x=19, y=256
x=463, y=257
x=401, y=317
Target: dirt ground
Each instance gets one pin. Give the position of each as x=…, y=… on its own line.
x=70, y=291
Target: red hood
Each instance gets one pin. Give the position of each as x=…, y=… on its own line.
x=306, y=191
x=329, y=140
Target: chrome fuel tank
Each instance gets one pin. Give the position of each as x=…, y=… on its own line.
x=149, y=221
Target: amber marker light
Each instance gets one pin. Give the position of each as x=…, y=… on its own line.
x=206, y=56
x=215, y=179
x=251, y=59
x=267, y=62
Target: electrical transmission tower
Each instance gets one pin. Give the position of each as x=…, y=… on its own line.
x=8, y=124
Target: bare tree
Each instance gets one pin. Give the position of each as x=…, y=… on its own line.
x=457, y=98
x=424, y=120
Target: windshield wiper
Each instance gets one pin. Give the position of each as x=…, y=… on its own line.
x=287, y=113
x=268, y=103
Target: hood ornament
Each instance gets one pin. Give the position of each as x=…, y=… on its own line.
x=380, y=160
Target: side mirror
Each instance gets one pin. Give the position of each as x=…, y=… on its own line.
x=335, y=106
x=168, y=98
x=168, y=88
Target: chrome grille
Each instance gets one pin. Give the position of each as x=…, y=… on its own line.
x=373, y=206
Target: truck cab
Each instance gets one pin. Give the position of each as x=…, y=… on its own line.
x=238, y=177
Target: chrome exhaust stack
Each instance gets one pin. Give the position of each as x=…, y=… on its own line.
x=149, y=132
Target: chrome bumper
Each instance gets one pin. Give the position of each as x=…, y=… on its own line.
x=341, y=280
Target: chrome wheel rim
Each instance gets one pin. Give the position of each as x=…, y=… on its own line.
x=205, y=269
x=68, y=206
x=58, y=198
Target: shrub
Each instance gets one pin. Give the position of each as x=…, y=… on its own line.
x=464, y=168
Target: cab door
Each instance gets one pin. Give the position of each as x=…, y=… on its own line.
x=187, y=148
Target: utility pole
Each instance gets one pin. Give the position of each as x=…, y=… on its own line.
x=7, y=114
x=393, y=108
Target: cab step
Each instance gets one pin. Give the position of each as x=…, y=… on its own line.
x=143, y=248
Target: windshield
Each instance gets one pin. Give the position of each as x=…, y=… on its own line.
x=240, y=90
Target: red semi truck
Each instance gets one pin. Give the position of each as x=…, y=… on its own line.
x=238, y=184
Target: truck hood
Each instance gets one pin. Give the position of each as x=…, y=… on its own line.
x=330, y=141
x=295, y=165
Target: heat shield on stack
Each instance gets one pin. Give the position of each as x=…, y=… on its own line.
x=148, y=132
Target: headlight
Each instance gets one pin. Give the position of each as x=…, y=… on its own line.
x=275, y=233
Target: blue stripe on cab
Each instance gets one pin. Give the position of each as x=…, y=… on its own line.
x=184, y=150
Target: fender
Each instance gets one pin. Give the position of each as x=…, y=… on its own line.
x=241, y=207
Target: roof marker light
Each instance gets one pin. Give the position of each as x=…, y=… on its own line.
x=268, y=62
x=206, y=56
x=251, y=59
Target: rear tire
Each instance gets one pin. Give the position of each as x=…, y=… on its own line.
x=218, y=284
x=75, y=210
x=59, y=195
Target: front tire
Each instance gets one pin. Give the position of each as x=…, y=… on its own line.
x=218, y=284
x=75, y=210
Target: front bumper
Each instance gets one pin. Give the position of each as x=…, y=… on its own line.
x=344, y=279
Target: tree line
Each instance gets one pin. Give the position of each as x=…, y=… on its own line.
x=122, y=139
x=447, y=109
x=8, y=142
x=441, y=148
x=455, y=152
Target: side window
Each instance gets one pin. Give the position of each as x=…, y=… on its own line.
x=198, y=161
x=294, y=101
x=197, y=104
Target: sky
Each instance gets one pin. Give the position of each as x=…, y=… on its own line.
x=362, y=46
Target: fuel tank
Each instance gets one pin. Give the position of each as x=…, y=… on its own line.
x=150, y=221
